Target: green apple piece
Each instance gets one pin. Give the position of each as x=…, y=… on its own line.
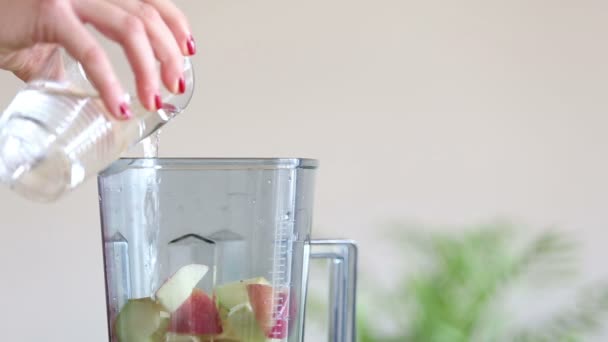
x=178, y=288
x=159, y=334
x=138, y=321
x=241, y=325
x=232, y=294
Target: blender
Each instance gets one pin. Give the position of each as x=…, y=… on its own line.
x=217, y=250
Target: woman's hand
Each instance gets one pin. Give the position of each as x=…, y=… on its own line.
x=147, y=30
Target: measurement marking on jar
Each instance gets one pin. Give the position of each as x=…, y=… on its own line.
x=281, y=276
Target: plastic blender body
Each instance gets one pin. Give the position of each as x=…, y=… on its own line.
x=248, y=220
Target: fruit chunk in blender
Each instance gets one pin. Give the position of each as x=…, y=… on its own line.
x=240, y=325
x=233, y=294
x=146, y=320
x=198, y=315
x=140, y=320
x=254, y=297
x=183, y=313
x=272, y=320
x=178, y=288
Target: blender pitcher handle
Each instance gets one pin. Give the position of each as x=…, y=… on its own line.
x=343, y=286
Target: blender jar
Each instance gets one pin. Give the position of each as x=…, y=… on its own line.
x=216, y=250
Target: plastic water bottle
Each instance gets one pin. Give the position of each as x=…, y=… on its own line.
x=57, y=132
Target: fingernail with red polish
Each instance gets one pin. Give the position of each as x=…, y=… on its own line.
x=125, y=111
x=182, y=85
x=158, y=102
x=191, y=46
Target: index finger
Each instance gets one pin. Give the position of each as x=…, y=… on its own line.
x=177, y=23
x=78, y=42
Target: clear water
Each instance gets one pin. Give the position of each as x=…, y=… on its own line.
x=152, y=265
x=150, y=145
x=52, y=138
x=152, y=227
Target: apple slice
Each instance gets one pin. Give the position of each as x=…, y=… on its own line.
x=198, y=315
x=233, y=294
x=176, y=290
x=273, y=321
x=140, y=321
x=240, y=325
x=159, y=334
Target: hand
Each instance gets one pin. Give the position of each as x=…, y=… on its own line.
x=147, y=30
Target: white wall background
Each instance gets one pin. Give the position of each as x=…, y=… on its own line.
x=442, y=112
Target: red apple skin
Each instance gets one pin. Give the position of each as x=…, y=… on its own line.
x=260, y=298
x=197, y=316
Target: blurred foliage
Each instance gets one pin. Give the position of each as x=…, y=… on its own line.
x=455, y=294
